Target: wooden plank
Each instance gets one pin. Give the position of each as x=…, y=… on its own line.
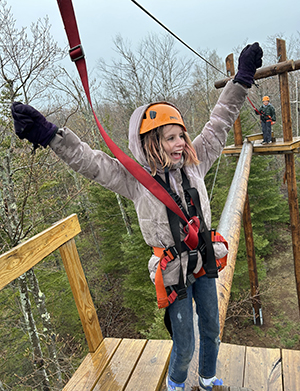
x=293, y=143
x=231, y=149
x=224, y=388
x=291, y=369
x=238, y=389
x=257, y=136
x=23, y=257
x=118, y=372
x=92, y=367
x=277, y=147
x=263, y=369
x=274, y=148
x=230, y=364
x=82, y=296
x=152, y=366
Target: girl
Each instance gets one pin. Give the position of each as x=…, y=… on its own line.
x=160, y=143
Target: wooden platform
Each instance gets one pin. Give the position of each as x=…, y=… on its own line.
x=257, y=369
x=278, y=146
x=123, y=364
x=115, y=364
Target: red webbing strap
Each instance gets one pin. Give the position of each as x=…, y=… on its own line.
x=163, y=300
x=253, y=106
x=161, y=293
x=77, y=55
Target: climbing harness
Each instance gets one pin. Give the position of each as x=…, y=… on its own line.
x=167, y=295
x=211, y=266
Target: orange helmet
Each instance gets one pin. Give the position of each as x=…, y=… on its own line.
x=160, y=114
x=265, y=98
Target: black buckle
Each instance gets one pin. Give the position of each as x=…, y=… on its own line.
x=193, y=254
x=190, y=279
x=76, y=53
x=181, y=293
x=211, y=273
x=173, y=250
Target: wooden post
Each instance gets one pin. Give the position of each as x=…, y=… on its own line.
x=82, y=295
x=252, y=268
x=237, y=127
x=290, y=164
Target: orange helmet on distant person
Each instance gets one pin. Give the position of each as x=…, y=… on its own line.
x=265, y=98
x=160, y=114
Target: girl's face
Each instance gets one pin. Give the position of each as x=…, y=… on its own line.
x=173, y=142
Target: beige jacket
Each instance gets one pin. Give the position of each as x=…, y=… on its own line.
x=152, y=215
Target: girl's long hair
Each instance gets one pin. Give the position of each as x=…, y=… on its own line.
x=157, y=156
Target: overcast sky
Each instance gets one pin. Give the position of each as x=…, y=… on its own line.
x=203, y=24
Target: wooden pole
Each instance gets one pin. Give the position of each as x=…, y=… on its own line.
x=290, y=164
x=248, y=231
x=82, y=295
x=262, y=73
x=237, y=127
x=230, y=227
x=252, y=267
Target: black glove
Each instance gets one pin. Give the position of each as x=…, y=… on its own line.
x=32, y=125
x=250, y=59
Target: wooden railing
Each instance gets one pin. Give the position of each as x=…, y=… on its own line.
x=112, y=363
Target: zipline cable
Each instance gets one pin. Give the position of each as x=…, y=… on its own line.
x=175, y=36
x=197, y=54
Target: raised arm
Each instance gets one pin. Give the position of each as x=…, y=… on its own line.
x=93, y=164
x=211, y=141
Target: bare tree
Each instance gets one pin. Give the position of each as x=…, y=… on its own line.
x=155, y=72
x=26, y=60
x=26, y=70
x=198, y=102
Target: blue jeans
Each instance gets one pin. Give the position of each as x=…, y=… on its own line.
x=181, y=316
x=267, y=131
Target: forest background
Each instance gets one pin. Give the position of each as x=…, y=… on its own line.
x=41, y=338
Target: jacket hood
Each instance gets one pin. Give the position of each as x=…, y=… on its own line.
x=135, y=144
